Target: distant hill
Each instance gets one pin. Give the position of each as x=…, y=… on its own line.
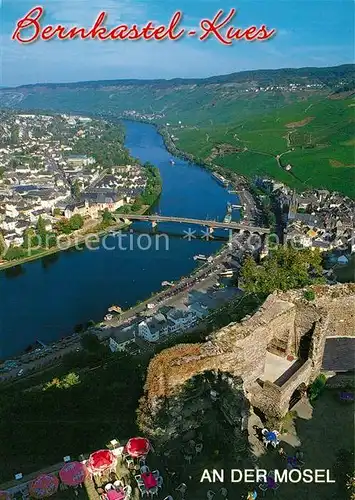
x=260, y=108
x=326, y=75
x=220, y=98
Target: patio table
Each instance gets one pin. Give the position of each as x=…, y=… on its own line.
x=149, y=480
x=271, y=436
x=115, y=494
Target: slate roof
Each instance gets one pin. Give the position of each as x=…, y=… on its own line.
x=339, y=354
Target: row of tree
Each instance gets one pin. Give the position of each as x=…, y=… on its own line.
x=283, y=269
x=67, y=226
x=37, y=238
x=152, y=189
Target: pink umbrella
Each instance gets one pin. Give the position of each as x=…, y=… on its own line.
x=5, y=495
x=73, y=473
x=101, y=460
x=44, y=486
x=138, y=447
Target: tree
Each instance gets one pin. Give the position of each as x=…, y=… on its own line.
x=67, y=381
x=76, y=222
x=76, y=189
x=309, y=295
x=138, y=203
x=67, y=226
x=14, y=253
x=317, y=387
x=28, y=238
x=90, y=342
x=41, y=229
x=14, y=134
x=2, y=245
x=63, y=226
x=107, y=218
x=51, y=240
x=285, y=268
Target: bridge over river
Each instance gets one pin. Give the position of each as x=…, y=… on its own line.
x=155, y=219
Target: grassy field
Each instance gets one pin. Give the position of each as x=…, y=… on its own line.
x=316, y=137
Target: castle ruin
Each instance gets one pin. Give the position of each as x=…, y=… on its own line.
x=265, y=359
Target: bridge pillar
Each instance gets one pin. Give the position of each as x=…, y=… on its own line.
x=154, y=224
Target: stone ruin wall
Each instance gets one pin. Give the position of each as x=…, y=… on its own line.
x=240, y=349
x=273, y=400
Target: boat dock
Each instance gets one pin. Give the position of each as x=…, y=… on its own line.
x=220, y=179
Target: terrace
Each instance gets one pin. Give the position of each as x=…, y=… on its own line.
x=110, y=474
x=275, y=367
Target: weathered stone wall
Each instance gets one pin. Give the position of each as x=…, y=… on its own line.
x=318, y=344
x=240, y=348
x=272, y=399
x=302, y=376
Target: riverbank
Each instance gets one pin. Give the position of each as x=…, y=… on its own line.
x=178, y=153
x=158, y=298
x=77, y=242
x=242, y=185
x=199, y=281
x=237, y=180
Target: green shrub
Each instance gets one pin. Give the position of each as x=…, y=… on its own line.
x=317, y=387
x=309, y=295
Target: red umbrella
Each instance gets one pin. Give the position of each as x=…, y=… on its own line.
x=137, y=447
x=101, y=460
x=73, y=473
x=43, y=486
x=5, y=495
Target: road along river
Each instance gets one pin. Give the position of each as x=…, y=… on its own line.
x=45, y=299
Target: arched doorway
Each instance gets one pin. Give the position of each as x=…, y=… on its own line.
x=297, y=395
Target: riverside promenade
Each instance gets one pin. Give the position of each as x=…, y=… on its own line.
x=53, y=354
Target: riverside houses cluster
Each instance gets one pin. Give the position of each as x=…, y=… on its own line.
x=317, y=219
x=41, y=176
x=166, y=322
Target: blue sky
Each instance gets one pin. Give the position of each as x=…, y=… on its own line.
x=309, y=33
